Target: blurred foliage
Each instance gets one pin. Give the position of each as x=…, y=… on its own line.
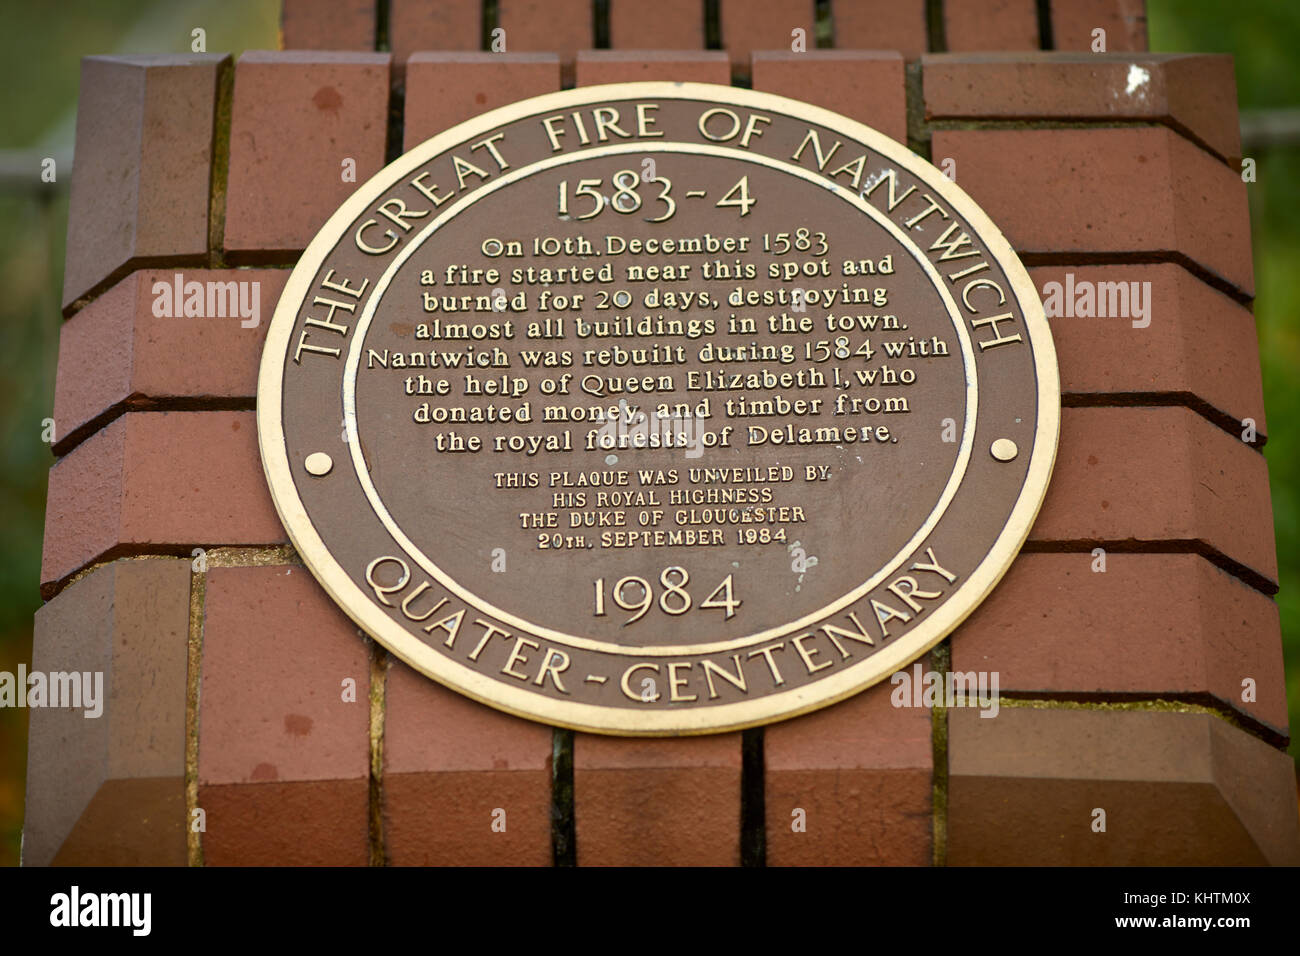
x=40, y=50
x=31, y=271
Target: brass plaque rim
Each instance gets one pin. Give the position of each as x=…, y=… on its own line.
x=779, y=705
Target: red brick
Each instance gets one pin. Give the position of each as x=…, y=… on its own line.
x=549, y=26
x=881, y=25
x=443, y=89
x=303, y=823
x=279, y=194
x=861, y=771
x=129, y=822
x=117, y=353
x=1195, y=94
x=867, y=86
x=990, y=24
x=276, y=653
x=1158, y=625
x=328, y=24
x=657, y=802
x=1141, y=189
x=155, y=480
x=749, y=25
x=662, y=25
x=1202, y=100
x=1178, y=789
x=449, y=764
x=1157, y=477
x=144, y=161
x=1125, y=23
x=1200, y=346
x=110, y=791
x=629, y=66
x=442, y=25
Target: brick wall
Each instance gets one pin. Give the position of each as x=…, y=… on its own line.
x=228, y=671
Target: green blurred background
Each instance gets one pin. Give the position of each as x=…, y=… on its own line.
x=40, y=48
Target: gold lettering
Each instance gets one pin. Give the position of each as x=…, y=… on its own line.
x=406, y=604
x=516, y=656
x=771, y=664
x=490, y=145
x=834, y=633
x=891, y=177
x=367, y=247
x=932, y=207
x=488, y=631
x=737, y=680
x=981, y=283
x=465, y=168
x=429, y=193
x=606, y=119
x=885, y=613
x=644, y=120
x=912, y=592
x=934, y=566
x=627, y=674
x=808, y=654
x=751, y=128
x=343, y=286
x=856, y=167
x=675, y=682
x=451, y=624
x=815, y=139
x=556, y=663
x=993, y=320
x=718, y=111
x=304, y=347
x=552, y=133
x=398, y=218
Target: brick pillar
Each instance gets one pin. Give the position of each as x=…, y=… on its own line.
x=242, y=698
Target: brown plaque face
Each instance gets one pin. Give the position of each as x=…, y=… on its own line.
x=658, y=408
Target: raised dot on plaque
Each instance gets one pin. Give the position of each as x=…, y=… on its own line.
x=318, y=463
x=1004, y=449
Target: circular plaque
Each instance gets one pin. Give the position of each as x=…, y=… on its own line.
x=658, y=408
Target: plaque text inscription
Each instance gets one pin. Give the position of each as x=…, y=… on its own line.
x=658, y=408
